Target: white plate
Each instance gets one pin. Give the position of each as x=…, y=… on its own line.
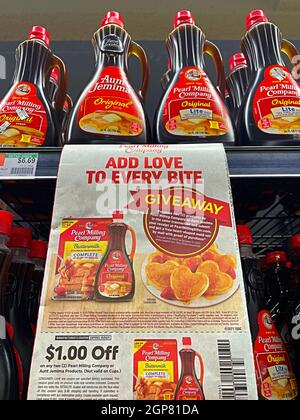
x=199, y=302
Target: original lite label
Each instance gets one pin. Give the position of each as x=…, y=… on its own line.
x=274, y=372
x=111, y=106
x=276, y=105
x=23, y=119
x=193, y=107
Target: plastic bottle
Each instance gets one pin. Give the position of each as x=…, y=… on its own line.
x=8, y=368
x=27, y=117
x=275, y=381
x=38, y=253
x=16, y=303
x=189, y=386
x=191, y=109
x=237, y=82
x=294, y=320
x=270, y=113
x=115, y=280
x=109, y=110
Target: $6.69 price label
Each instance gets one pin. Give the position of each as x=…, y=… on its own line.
x=81, y=353
x=18, y=164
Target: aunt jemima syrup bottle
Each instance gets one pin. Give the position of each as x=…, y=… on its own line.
x=8, y=368
x=109, y=110
x=237, y=81
x=115, y=279
x=191, y=109
x=270, y=113
x=274, y=372
x=26, y=115
x=189, y=386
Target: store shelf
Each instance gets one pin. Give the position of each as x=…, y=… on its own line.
x=243, y=162
x=263, y=162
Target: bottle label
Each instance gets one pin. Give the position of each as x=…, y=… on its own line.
x=274, y=373
x=23, y=118
x=276, y=104
x=193, y=106
x=115, y=278
x=189, y=389
x=111, y=106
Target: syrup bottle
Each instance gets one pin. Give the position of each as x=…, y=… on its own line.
x=270, y=113
x=16, y=303
x=273, y=382
x=237, y=81
x=189, y=386
x=115, y=280
x=294, y=316
x=38, y=253
x=109, y=110
x=62, y=114
x=192, y=109
x=8, y=367
x=27, y=118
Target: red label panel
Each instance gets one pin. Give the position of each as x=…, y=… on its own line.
x=115, y=276
x=23, y=119
x=111, y=106
x=193, y=107
x=276, y=104
x=274, y=373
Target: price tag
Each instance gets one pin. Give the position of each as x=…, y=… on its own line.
x=18, y=164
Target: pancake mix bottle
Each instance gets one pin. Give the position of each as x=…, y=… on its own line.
x=115, y=279
x=192, y=110
x=270, y=113
x=275, y=376
x=189, y=386
x=8, y=367
x=109, y=110
x=27, y=118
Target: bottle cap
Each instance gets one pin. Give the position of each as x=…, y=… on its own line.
x=112, y=18
x=244, y=235
x=186, y=341
x=276, y=256
x=38, y=249
x=236, y=60
x=295, y=241
x=184, y=16
x=6, y=221
x=254, y=17
x=118, y=214
x=39, y=32
x=20, y=238
x=54, y=75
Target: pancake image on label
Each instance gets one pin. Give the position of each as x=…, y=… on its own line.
x=197, y=126
x=111, y=122
x=21, y=136
x=281, y=125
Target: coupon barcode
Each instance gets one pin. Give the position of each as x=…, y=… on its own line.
x=22, y=171
x=232, y=374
